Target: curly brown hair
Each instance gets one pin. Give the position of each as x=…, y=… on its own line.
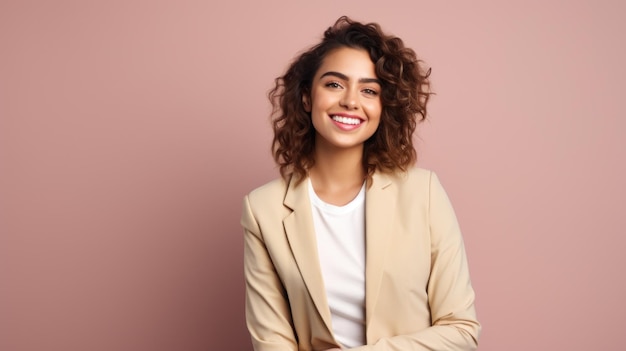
x=405, y=92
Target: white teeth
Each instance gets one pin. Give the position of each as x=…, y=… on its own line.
x=346, y=120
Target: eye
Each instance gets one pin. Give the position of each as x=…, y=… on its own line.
x=333, y=85
x=369, y=91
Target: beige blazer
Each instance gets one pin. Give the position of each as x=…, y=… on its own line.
x=418, y=291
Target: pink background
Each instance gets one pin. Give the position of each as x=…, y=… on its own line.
x=131, y=130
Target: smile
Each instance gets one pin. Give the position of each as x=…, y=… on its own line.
x=346, y=120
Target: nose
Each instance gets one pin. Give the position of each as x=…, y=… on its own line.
x=349, y=100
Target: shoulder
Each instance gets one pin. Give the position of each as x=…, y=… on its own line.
x=420, y=175
x=414, y=178
x=263, y=204
x=272, y=191
x=415, y=185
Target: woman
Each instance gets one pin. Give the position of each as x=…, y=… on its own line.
x=354, y=247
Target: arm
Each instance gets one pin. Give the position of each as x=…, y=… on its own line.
x=268, y=315
x=450, y=294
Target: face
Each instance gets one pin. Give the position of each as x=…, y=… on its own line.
x=344, y=103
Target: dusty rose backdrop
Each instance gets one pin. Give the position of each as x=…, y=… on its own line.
x=130, y=130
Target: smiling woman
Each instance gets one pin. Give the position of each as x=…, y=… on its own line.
x=354, y=247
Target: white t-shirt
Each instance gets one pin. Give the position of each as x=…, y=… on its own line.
x=340, y=232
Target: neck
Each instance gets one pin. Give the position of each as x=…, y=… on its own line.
x=338, y=174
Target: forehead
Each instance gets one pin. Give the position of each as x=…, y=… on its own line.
x=354, y=63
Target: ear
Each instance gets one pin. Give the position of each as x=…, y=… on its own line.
x=306, y=102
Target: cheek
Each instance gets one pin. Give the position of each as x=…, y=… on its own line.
x=374, y=110
x=317, y=118
x=321, y=101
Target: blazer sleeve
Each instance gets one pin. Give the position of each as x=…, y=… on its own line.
x=454, y=326
x=268, y=316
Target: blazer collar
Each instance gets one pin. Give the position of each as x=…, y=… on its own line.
x=302, y=240
x=379, y=217
x=380, y=210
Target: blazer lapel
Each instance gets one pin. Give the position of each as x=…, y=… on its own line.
x=302, y=240
x=379, y=217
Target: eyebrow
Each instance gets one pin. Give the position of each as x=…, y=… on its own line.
x=344, y=77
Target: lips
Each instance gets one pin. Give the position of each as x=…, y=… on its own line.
x=346, y=120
